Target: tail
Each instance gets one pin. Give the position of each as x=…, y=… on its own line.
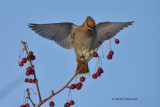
x=84, y=70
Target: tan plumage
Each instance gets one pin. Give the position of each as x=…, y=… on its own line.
x=82, y=38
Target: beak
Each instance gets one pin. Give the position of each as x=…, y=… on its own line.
x=91, y=29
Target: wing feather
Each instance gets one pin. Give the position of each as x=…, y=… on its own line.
x=61, y=33
x=111, y=27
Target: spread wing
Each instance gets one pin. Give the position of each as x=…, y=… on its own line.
x=111, y=27
x=61, y=33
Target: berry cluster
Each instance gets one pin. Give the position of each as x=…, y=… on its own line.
x=29, y=57
x=78, y=86
x=26, y=105
x=98, y=73
x=30, y=70
x=30, y=80
x=68, y=104
x=111, y=53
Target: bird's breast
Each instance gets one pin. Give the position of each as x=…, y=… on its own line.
x=84, y=44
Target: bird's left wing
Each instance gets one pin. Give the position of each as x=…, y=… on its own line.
x=61, y=33
x=111, y=27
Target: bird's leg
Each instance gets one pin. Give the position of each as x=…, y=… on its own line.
x=83, y=58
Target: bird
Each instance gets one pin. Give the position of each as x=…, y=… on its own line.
x=83, y=38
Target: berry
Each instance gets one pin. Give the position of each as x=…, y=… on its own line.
x=30, y=53
x=67, y=105
x=98, y=74
x=34, y=81
x=80, y=84
x=71, y=102
x=82, y=79
x=78, y=87
x=29, y=69
x=26, y=80
x=30, y=81
x=22, y=106
x=32, y=72
x=116, y=41
x=51, y=103
x=33, y=57
x=27, y=73
x=100, y=70
x=94, y=76
x=111, y=52
x=73, y=86
x=109, y=56
x=27, y=105
x=24, y=60
x=21, y=64
x=95, y=54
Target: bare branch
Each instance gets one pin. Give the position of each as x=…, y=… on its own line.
x=30, y=97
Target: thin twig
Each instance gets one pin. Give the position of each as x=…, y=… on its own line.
x=30, y=97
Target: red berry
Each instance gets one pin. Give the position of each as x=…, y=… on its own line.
x=94, y=76
x=98, y=74
x=67, y=105
x=30, y=53
x=26, y=80
x=111, y=52
x=24, y=60
x=22, y=106
x=30, y=81
x=80, y=84
x=109, y=56
x=34, y=81
x=21, y=64
x=100, y=70
x=32, y=72
x=116, y=41
x=95, y=54
x=27, y=105
x=78, y=87
x=73, y=86
x=71, y=102
x=51, y=103
x=33, y=57
x=82, y=79
x=29, y=69
x=27, y=73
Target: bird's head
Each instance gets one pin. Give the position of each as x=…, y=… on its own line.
x=89, y=24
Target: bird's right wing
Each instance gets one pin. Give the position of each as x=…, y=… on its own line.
x=61, y=33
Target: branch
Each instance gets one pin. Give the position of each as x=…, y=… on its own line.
x=30, y=62
x=66, y=86
x=30, y=97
